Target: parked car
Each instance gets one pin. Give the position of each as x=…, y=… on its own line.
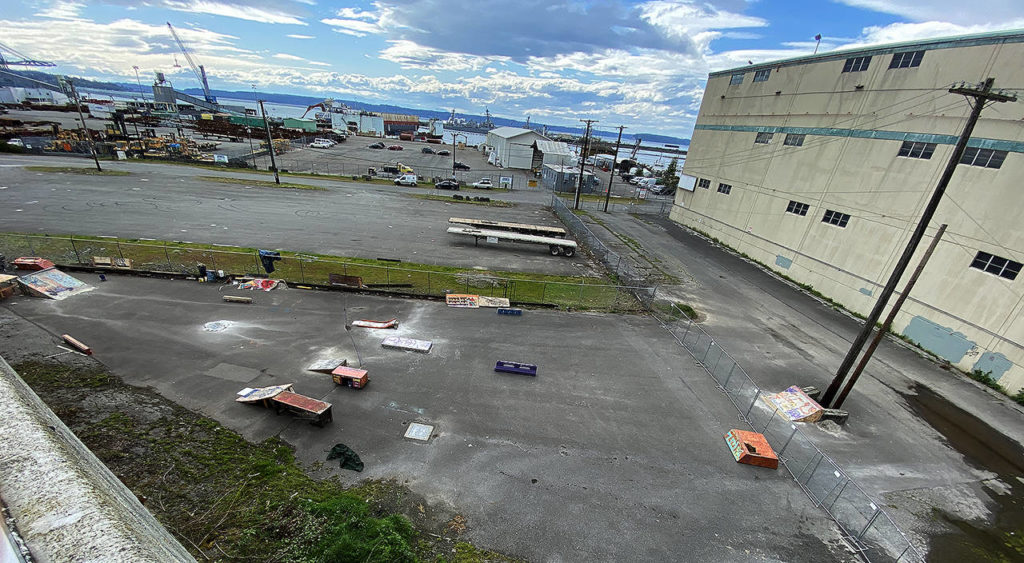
x=483, y=184
x=16, y=143
x=394, y=147
x=376, y=146
x=427, y=150
x=461, y=166
x=444, y=152
x=661, y=189
x=450, y=184
x=406, y=180
x=320, y=144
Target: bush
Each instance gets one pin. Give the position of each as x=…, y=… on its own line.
x=985, y=378
x=4, y=147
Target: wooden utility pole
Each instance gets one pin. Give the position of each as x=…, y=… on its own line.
x=583, y=160
x=981, y=94
x=880, y=334
x=270, y=143
x=85, y=128
x=615, y=159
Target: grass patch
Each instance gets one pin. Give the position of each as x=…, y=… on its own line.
x=986, y=379
x=596, y=293
x=227, y=499
x=674, y=311
x=600, y=198
x=260, y=183
x=450, y=199
x=76, y=170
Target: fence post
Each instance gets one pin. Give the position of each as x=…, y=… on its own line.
x=213, y=260
x=428, y=282
x=752, y=401
x=119, y=253
x=73, y=247
x=302, y=273
x=543, y=291
x=31, y=249
x=870, y=522
x=256, y=259
x=770, y=419
x=579, y=300
x=387, y=276
x=788, y=440
x=168, y=257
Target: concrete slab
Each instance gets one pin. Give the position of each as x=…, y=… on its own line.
x=615, y=454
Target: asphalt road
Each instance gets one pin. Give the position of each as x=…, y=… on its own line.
x=614, y=452
x=168, y=202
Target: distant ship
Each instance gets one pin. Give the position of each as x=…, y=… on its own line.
x=468, y=125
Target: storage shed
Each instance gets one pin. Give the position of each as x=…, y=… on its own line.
x=512, y=147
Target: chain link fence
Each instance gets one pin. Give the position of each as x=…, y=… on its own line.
x=185, y=259
x=864, y=525
x=623, y=269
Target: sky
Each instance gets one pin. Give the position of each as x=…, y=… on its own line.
x=639, y=64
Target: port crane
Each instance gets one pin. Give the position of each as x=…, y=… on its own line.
x=19, y=59
x=196, y=68
x=325, y=105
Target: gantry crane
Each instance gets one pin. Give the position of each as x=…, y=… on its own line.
x=19, y=59
x=196, y=68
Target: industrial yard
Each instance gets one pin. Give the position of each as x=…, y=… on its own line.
x=263, y=331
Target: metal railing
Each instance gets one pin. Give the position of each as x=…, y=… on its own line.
x=864, y=525
x=184, y=259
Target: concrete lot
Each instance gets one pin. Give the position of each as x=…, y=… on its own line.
x=613, y=452
x=168, y=202
x=924, y=440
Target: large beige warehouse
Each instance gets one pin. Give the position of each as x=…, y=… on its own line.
x=820, y=167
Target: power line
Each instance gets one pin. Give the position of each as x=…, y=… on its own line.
x=981, y=94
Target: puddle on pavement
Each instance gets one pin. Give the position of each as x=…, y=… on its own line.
x=1001, y=539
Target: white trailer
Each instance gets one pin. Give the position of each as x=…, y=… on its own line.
x=555, y=245
x=523, y=228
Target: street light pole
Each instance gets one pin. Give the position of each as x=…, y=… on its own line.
x=252, y=149
x=454, y=135
x=615, y=158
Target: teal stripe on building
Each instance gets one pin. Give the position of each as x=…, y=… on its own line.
x=995, y=144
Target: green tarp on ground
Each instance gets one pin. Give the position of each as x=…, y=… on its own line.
x=349, y=459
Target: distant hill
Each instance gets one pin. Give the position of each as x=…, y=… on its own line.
x=51, y=81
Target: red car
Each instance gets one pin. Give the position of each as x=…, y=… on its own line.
x=394, y=147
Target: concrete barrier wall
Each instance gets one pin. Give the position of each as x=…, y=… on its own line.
x=67, y=505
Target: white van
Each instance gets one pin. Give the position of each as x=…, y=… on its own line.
x=406, y=180
x=646, y=182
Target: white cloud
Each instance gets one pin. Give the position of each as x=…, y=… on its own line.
x=263, y=11
x=358, y=28
x=409, y=55
x=898, y=32
x=952, y=11
x=288, y=57
x=62, y=9
x=297, y=36
x=319, y=63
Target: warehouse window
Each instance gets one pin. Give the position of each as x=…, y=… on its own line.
x=856, y=64
x=835, y=218
x=703, y=183
x=763, y=138
x=762, y=75
x=911, y=149
x=736, y=79
x=986, y=158
x=724, y=188
x=906, y=60
x=797, y=208
x=997, y=265
x=794, y=140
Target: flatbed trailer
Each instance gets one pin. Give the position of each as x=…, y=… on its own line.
x=523, y=228
x=555, y=245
